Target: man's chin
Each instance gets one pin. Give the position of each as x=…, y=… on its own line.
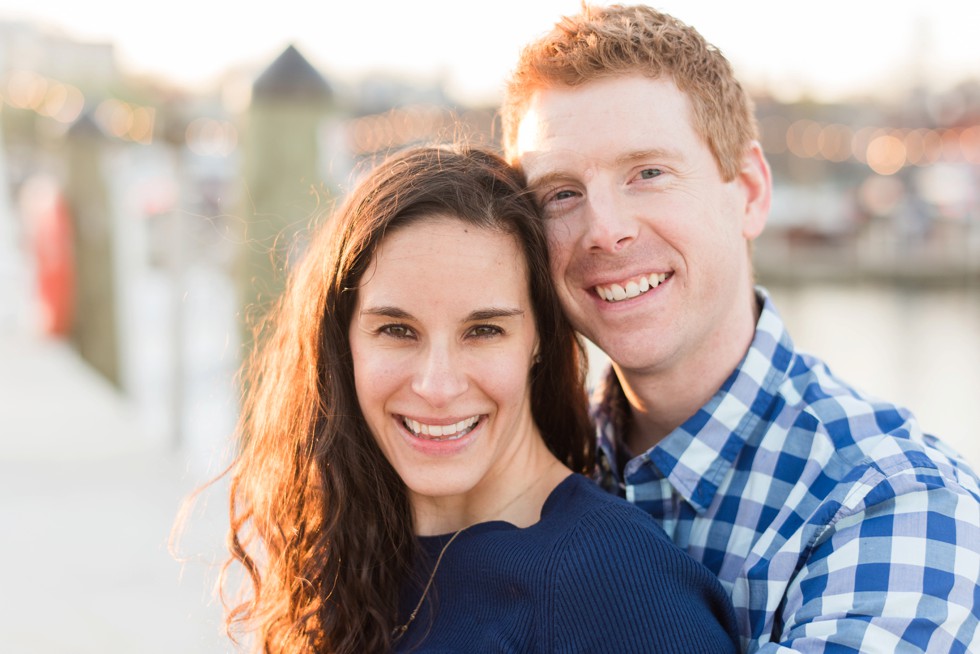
x=630, y=353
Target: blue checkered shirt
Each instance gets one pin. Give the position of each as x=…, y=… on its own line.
x=834, y=521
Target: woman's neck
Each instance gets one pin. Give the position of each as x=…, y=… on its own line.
x=514, y=493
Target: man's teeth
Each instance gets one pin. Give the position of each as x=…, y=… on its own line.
x=441, y=432
x=632, y=288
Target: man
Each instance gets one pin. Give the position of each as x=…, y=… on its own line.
x=835, y=523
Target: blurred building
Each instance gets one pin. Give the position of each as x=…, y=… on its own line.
x=867, y=189
x=26, y=46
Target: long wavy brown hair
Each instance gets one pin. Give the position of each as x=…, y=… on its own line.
x=320, y=521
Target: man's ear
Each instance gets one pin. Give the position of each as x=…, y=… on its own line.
x=756, y=182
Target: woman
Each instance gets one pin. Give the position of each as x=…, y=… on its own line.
x=413, y=420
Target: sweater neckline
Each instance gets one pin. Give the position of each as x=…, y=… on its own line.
x=558, y=494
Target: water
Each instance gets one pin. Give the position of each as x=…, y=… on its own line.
x=918, y=347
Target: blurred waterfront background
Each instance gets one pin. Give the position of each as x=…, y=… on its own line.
x=156, y=174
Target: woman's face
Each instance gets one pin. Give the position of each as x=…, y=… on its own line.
x=443, y=337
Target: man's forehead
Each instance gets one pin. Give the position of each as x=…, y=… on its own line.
x=606, y=121
x=527, y=130
x=541, y=137
x=543, y=108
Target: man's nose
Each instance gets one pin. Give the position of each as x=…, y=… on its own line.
x=440, y=377
x=611, y=226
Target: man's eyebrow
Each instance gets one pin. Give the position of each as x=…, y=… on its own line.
x=547, y=180
x=555, y=177
x=640, y=155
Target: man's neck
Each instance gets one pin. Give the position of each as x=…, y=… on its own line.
x=662, y=400
x=660, y=404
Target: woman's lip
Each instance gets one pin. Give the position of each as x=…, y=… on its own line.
x=441, y=446
x=439, y=429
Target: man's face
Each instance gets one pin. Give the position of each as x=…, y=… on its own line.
x=648, y=243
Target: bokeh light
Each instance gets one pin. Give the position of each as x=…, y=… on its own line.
x=772, y=134
x=398, y=127
x=879, y=195
x=886, y=154
x=210, y=137
x=26, y=89
x=970, y=141
x=834, y=142
x=126, y=121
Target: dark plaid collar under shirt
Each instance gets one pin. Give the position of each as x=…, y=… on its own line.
x=834, y=521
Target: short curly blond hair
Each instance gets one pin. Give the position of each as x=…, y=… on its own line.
x=604, y=42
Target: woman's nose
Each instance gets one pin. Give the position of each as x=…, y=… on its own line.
x=440, y=377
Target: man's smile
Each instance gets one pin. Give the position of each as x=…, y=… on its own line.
x=632, y=287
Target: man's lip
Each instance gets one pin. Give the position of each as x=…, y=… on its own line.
x=628, y=288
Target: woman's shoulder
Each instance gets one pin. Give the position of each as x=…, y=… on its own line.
x=594, y=527
x=584, y=504
x=621, y=583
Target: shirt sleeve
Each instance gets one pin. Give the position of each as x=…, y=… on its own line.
x=896, y=570
x=622, y=586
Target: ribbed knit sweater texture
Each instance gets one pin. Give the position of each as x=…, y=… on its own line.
x=595, y=574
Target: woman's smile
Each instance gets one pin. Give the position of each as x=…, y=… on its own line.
x=440, y=432
x=442, y=360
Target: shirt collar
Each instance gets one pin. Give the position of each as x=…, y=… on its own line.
x=697, y=455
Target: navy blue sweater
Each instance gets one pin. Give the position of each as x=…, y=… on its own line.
x=596, y=574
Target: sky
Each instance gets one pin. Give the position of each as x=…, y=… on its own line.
x=830, y=50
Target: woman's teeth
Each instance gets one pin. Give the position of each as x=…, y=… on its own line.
x=632, y=288
x=440, y=432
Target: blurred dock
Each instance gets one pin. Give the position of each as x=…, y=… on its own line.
x=87, y=503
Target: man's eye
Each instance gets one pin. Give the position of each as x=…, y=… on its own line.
x=559, y=196
x=650, y=173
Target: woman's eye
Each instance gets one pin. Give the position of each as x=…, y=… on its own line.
x=396, y=331
x=486, y=331
x=650, y=173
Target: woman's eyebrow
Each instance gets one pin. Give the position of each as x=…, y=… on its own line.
x=479, y=314
x=494, y=312
x=387, y=312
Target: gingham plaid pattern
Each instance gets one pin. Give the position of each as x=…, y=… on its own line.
x=835, y=523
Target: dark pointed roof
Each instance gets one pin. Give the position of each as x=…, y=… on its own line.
x=85, y=126
x=291, y=77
